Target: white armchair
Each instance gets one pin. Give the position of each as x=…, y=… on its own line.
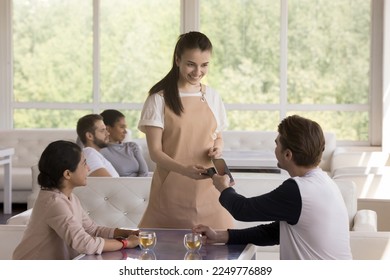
x=10, y=236
x=359, y=220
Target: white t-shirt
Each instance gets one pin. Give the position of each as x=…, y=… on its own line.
x=322, y=231
x=96, y=160
x=153, y=110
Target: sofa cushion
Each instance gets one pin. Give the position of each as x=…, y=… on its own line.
x=10, y=237
x=370, y=245
x=20, y=219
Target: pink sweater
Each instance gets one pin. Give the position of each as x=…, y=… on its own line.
x=59, y=229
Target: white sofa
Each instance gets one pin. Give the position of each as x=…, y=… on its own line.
x=10, y=236
x=120, y=202
x=29, y=144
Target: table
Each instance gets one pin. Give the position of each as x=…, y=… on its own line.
x=6, y=160
x=251, y=161
x=170, y=246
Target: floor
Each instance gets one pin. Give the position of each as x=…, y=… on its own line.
x=16, y=209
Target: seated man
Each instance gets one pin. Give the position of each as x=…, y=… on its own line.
x=92, y=133
x=126, y=157
x=308, y=216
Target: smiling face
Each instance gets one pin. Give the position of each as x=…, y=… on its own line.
x=118, y=131
x=193, y=66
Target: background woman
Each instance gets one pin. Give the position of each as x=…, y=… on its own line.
x=183, y=120
x=59, y=228
x=126, y=157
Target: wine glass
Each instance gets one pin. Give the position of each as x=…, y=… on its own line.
x=192, y=256
x=193, y=242
x=147, y=255
x=147, y=240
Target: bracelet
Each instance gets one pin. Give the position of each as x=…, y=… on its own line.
x=124, y=242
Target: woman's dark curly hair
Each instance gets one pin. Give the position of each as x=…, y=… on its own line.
x=56, y=158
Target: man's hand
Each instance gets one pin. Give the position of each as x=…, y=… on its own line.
x=221, y=182
x=211, y=236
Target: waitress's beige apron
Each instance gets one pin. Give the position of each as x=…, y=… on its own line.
x=177, y=201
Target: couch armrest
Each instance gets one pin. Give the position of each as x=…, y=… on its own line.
x=21, y=218
x=370, y=245
x=365, y=220
x=10, y=237
x=365, y=158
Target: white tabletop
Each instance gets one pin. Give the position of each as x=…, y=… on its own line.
x=6, y=160
x=250, y=158
x=4, y=152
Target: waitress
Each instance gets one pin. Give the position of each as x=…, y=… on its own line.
x=183, y=120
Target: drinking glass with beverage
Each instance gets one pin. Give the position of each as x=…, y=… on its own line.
x=193, y=242
x=147, y=240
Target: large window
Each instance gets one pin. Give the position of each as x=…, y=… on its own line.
x=52, y=59
x=76, y=57
x=329, y=63
x=325, y=75
x=270, y=59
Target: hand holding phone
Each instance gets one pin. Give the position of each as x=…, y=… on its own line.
x=210, y=172
x=222, y=169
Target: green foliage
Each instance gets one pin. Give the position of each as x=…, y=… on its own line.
x=328, y=57
x=348, y=126
x=328, y=53
x=137, y=42
x=53, y=51
x=245, y=35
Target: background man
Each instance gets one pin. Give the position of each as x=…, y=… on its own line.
x=93, y=134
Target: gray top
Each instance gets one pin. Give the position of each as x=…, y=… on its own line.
x=127, y=159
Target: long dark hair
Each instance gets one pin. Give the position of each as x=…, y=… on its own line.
x=168, y=84
x=55, y=159
x=111, y=116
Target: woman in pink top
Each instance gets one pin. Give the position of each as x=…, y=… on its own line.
x=59, y=228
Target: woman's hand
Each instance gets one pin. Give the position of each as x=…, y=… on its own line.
x=195, y=172
x=132, y=241
x=215, y=152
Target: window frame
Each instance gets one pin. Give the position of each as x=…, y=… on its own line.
x=190, y=20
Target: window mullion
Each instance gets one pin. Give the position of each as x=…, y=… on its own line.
x=96, y=57
x=283, y=57
x=6, y=77
x=189, y=16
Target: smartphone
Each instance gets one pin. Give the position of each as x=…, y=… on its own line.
x=222, y=169
x=210, y=172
